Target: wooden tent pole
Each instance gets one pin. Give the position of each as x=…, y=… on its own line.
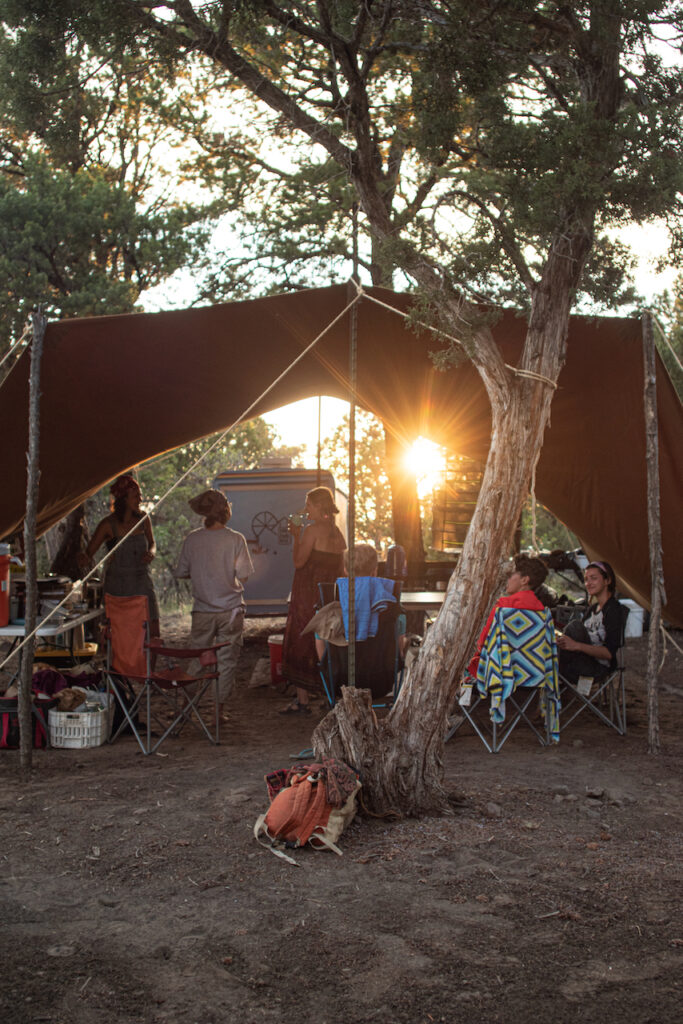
x=353, y=383
x=32, y=479
x=658, y=594
x=320, y=415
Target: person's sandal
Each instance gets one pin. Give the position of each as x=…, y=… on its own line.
x=295, y=708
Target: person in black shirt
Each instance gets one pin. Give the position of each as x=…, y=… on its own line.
x=588, y=647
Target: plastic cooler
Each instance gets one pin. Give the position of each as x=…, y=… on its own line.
x=275, y=648
x=636, y=618
x=4, y=583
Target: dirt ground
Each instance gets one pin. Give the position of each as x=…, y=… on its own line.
x=132, y=889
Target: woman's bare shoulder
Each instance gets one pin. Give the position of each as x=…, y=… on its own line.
x=340, y=540
x=104, y=530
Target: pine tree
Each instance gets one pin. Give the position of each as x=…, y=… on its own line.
x=87, y=221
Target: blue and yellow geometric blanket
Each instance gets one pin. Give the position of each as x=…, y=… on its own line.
x=520, y=650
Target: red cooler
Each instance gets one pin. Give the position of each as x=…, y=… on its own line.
x=275, y=648
x=4, y=584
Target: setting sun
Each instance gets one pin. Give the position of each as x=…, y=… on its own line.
x=426, y=460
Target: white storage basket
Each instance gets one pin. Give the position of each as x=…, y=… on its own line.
x=78, y=729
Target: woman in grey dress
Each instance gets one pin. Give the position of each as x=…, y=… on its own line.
x=127, y=572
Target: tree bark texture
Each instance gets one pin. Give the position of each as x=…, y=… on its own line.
x=33, y=477
x=67, y=540
x=654, y=526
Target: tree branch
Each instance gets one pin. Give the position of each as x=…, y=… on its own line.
x=207, y=42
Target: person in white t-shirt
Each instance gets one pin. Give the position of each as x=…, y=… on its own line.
x=217, y=561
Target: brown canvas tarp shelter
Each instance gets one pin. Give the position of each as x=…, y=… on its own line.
x=119, y=390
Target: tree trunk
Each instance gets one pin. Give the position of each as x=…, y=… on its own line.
x=69, y=537
x=401, y=756
x=658, y=594
x=32, y=479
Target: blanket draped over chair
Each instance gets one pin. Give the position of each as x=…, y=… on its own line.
x=520, y=651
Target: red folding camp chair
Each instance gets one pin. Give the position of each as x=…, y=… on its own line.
x=139, y=679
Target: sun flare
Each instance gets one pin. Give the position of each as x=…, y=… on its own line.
x=426, y=461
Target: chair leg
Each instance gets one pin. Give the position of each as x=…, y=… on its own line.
x=617, y=696
x=498, y=733
x=613, y=702
x=501, y=733
x=129, y=713
x=468, y=716
x=190, y=713
x=327, y=687
x=149, y=719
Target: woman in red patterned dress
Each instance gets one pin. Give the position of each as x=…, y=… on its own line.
x=318, y=558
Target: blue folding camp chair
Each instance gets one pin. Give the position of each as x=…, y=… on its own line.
x=518, y=662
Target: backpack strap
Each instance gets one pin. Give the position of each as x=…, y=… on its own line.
x=320, y=839
x=315, y=811
x=259, y=828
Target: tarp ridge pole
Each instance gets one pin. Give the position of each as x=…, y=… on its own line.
x=32, y=480
x=654, y=525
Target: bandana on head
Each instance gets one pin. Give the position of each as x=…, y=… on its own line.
x=123, y=484
x=209, y=503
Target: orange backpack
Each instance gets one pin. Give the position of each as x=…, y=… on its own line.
x=301, y=813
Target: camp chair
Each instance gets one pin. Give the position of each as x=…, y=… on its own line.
x=132, y=658
x=378, y=661
x=518, y=661
x=604, y=695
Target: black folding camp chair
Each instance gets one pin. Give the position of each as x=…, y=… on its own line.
x=603, y=695
x=378, y=664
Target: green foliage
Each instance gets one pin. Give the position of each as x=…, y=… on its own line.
x=509, y=107
x=305, y=237
x=475, y=130
x=80, y=245
x=374, y=522
x=551, y=533
x=476, y=133
x=86, y=220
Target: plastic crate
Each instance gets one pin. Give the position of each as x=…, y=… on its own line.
x=78, y=729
